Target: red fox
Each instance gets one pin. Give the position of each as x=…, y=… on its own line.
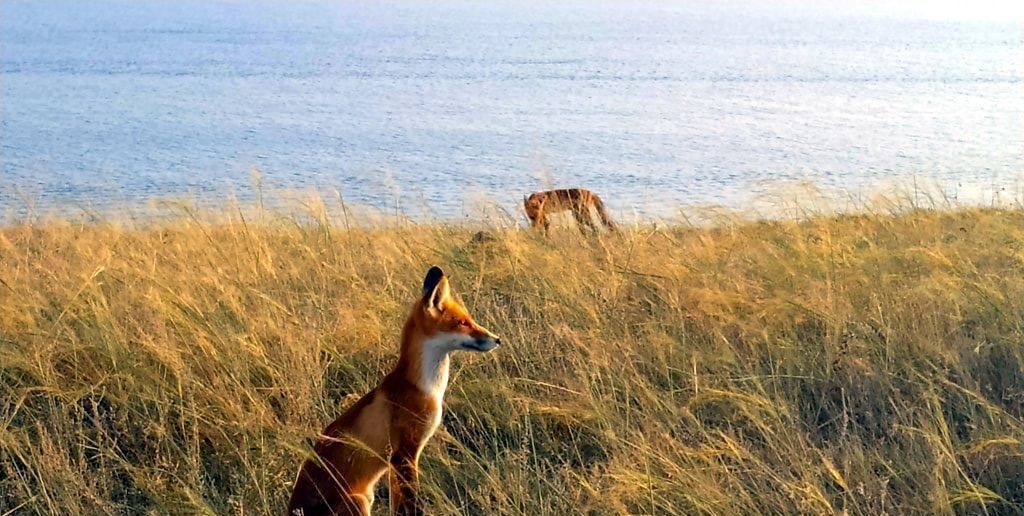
x=540, y=204
x=387, y=428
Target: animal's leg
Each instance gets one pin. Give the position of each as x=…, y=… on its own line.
x=602, y=213
x=355, y=504
x=404, y=479
x=582, y=215
x=320, y=490
x=363, y=502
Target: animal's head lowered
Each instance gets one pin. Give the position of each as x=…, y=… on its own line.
x=446, y=321
x=533, y=205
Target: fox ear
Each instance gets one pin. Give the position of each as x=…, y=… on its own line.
x=435, y=289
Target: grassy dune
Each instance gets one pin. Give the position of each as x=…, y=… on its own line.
x=861, y=364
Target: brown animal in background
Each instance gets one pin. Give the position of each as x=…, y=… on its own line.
x=541, y=204
x=387, y=428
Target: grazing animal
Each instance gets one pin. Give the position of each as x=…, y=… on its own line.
x=387, y=428
x=541, y=204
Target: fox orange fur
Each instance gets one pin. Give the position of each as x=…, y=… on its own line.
x=578, y=200
x=387, y=428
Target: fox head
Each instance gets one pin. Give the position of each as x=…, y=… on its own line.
x=445, y=322
x=533, y=205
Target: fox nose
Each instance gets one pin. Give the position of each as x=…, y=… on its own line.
x=497, y=340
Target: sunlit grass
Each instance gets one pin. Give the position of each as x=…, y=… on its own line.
x=856, y=363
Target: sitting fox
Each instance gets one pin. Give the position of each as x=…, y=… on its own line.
x=541, y=204
x=385, y=431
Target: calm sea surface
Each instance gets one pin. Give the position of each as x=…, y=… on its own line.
x=437, y=105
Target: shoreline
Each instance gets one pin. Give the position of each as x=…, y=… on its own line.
x=788, y=202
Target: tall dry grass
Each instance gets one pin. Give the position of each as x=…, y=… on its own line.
x=858, y=364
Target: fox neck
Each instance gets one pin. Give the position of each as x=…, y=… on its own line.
x=423, y=365
x=433, y=372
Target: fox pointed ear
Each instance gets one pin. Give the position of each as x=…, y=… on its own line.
x=435, y=289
